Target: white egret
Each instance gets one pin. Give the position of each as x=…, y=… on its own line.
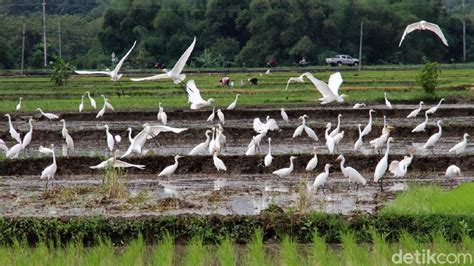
x=67, y=137
x=117, y=139
x=175, y=73
x=415, y=112
x=303, y=126
x=234, y=103
x=461, y=146
x=221, y=117
x=434, y=138
x=92, y=101
x=3, y=146
x=351, y=173
x=220, y=137
x=101, y=112
x=329, y=140
x=284, y=172
x=423, y=25
x=358, y=143
x=114, y=74
x=49, y=171
x=453, y=170
x=18, y=106
x=337, y=138
x=110, y=138
x=14, y=151
x=421, y=127
x=162, y=116
x=313, y=162
x=338, y=128
x=201, y=147
x=251, y=148
x=81, y=105
x=399, y=168
x=433, y=109
x=379, y=142
x=382, y=166
x=13, y=133
x=107, y=103
x=270, y=125
x=195, y=98
x=169, y=170
x=387, y=102
x=212, y=142
x=267, y=72
x=358, y=105
x=329, y=91
x=116, y=163
x=50, y=116
x=321, y=179
x=284, y=115
x=218, y=163
x=212, y=115
x=368, y=128
x=299, y=79
x=268, y=158
x=130, y=138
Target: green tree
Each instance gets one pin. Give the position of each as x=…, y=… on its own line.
x=428, y=76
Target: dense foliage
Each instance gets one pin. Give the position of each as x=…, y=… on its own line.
x=428, y=76
x=230, y=32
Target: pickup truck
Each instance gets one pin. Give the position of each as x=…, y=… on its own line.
x=341, y=59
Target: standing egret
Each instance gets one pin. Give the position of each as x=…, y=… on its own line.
x=107, y=103
x=358, y=105
x=175, y=73
x=433, y=109
x=337, y=138
x=49, y=171
x=379, y=142
x=13, y=133
x=220, y=137
x=3, y=146
x=101, y=112
x=313, y=162
x=218, y=163
x=461, y=146
x=338, y=128
x=358, y=143
x=423, y=25
x=110, y=138
x=321, y=179
x=434, y=138
x=67, y=137
x=161, y=116
x=201, y=147
x=382, y=166
x=421, y=127
x=93, y=103
x=114, y=74
x=400, y=168
x=251, y=148
x=50, y=116
x=267, y=72
x=169, y=170
x=351, y=173
x=81, y=105
x=284, y=115
x=368, y=128
x=18, y=106
x=195, y=98
x=130, y=138
x=268, y=158
x=212, y=142
x=221, y=117
x=329, y=140
x=303, y=126
x=14, y=151
x=28, y=136
x=284, y=172
x=415, y=112
x=387, y=102
x=453, y=170
x=212, y=115
x=234, y=103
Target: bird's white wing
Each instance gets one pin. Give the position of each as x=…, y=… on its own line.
x=437, y=30
x=321, y=86
x=178, y=67
x=45, y=150
x=102, y=165
x=119, y=65
x=122, y=164
x=335, y=81
x=258, y=125
x=83, y=72
x=137, y=143
x=272, y=125
x=3, y=146
x=408, y=29
x=155, y=130
x=155, y=77
x=194, y=96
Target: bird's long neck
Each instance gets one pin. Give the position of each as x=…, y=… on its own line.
x=437, y=106
x=440, y=128
x=338, y=121
x=343, y=160
x=327, y=132
x=370, y=117
x=269, y=147
x=388, y=149
x=426, y=117
x=54, y=157
x=10, y=121
x=291, y=164
x=360, y=131
x=175, y=161
x=326, y=169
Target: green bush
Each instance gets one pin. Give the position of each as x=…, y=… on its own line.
x=428, y=76
x=61, y=72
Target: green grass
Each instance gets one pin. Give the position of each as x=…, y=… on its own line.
x=433, y=200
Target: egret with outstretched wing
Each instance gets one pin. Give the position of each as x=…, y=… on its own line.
x=195, y=98
x=423, y=25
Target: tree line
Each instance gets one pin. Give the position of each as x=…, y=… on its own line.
x=230, y=32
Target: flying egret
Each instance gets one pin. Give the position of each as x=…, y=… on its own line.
x=18, y=106
x=195, y=98
x=351, y=173
x=423, y=25
x=321, y=179
x=268, y=158
x=415, y=112
x=338, y=128
x=92, y=101
x=201, y=147
x=433, y=109
x=461, y=146
x=329, y=91
x=234, y=103
x=175, y=73
x=368, y=128
x=169, y=170
x=284, y=115
x=387, y=102
x=358, y=105
x=299, y=79
x=284, y=172
x=434, y=138
x=14, y=151
x=421, y=127
x=313, y=162
x=269, y=125
x=303, y=126
x=110, y=138
x=221, y=117
x=329, y=140
x=212, y=115
x=114, y=74
x=218, y=163
x=382, y=166
x=49, y=171
x=453, y=170
x=399, y=168
x=358, y=143
x=81, y=105
x=50, y=116
x=116, y=163
x=67, y=137
x=161, y=116
x=13, y=133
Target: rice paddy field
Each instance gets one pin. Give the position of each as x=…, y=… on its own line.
x=245, y=215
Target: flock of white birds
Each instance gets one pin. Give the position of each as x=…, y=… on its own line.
x=216, y=140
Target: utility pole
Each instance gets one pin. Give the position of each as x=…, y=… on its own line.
x=59, y=38
x=463, y=31
x=360, y=44
x=23, y=49
x=45, y=52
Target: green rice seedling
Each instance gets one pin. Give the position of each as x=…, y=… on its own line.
x=381, y=250
x=353, y=253
x=101, y=254
x=255, y=254
x=440, y=244
x=133, y=254
x=320, y=254
x=408, y=242
x=195, y=254
x=226, y=253
x=289, y=255
x=164, y=251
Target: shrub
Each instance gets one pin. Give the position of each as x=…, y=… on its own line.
x=428, y=76
x=61, y=72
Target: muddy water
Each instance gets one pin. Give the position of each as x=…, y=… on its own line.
x=200, y=194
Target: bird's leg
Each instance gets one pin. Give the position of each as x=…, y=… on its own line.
x=357, y=188
x=381, y=185
x=432, y=150
x=324, y=193
x=348, y=186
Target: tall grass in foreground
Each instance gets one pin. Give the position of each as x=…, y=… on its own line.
x=287, y=252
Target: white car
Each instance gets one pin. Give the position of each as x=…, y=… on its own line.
x=342, y=59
